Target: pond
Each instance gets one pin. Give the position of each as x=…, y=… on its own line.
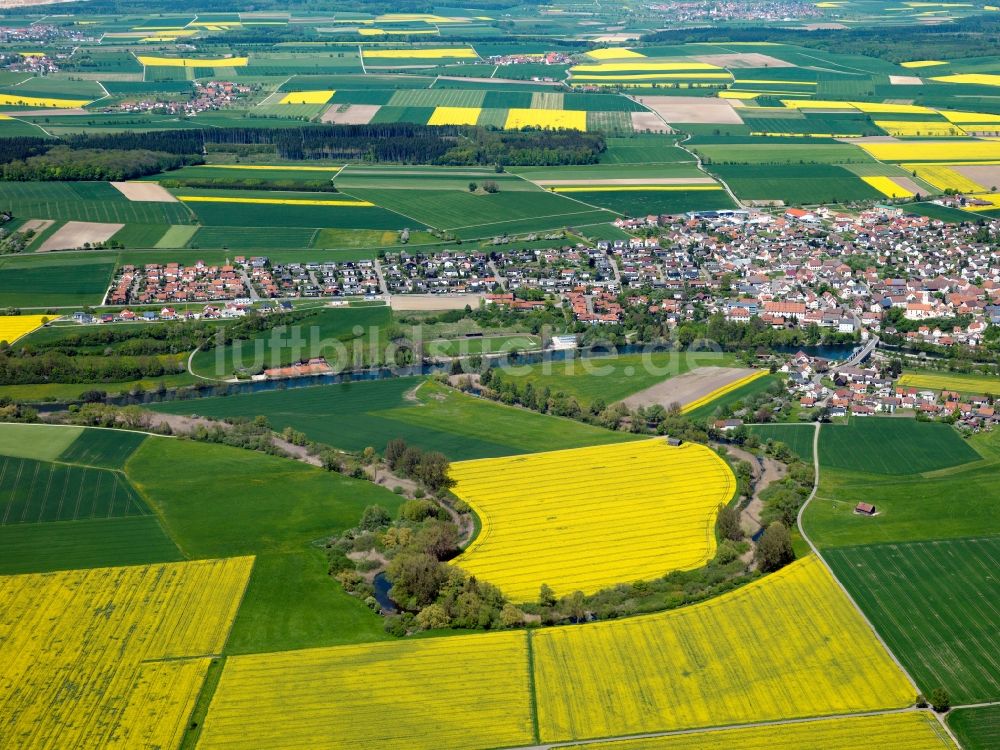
x=382, y=586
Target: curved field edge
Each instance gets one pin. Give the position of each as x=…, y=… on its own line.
x=587, y=518
x=788, y=646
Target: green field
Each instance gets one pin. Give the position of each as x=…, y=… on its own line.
x=911, y=507
x=41, y=442
x=356, y=415
x=252, y=238
x=471, y=215
x=38, y=282
x=795, y=183
x=935, y=604
x=728, y=400
x=277, y=515
x=976, y=728
x=345, y=336
x=798, y=437
x=40, y=491
x=645, y=202
x=892, y=446
x=482, y=345
x=41, y=547
x=86, y=201
x=609, y=378
x=783, y=153
x=105, y=448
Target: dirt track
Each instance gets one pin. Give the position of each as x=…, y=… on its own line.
x=687, y=387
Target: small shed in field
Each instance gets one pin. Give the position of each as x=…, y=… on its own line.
x=865, y=509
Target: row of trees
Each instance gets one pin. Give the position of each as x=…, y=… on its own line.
x=66, y=163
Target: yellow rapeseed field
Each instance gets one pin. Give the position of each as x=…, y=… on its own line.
x=923, y=63
x=16, y=100
x=978, y=118
x=614, y=53
x=907, y=128
x=267, y=167
x=419, y=53
x=983, y=79
x=788, y=645
x=272, y=201
x=947, y=151
x=953, y=381
x=992, y=199
x=159, y=703
x=80, y=650
x=720, y=392
x=944, y=177
x=307, y=97
x=462, y=692
x=193, y=62
x=455, y=116
x=13, y=327
x=902, y=731
x=550, y=119
x=587, y=518
x=888, y=187
x=738, y=94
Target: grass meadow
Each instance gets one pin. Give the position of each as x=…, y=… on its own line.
x=935, y=605
x=277, y=515
x=353, y=416
x=798, y=437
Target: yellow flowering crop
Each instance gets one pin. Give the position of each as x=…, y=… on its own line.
x=923, y=63
x=720, y=392
x=951, y=381
x=267, y=167
x=901, y=109
x=421, y=53
x=549, y=119
x=89, y=655
x=159, y=703
x=815, y=104
x=193, y=62
x=901, y=731
x=463, y=692
x=17, y=100
x=917, y=128
x=983, y=79
x=587, y=518
x=307, y=97
x=943, y=177
x=13, y=327
x=614, y=53
x=455, y=116
x=992, y=199
x=979, y=118
x=738, y=94
x=272, y=201
x=789, y=645
x=949, y=151
x=888, y=187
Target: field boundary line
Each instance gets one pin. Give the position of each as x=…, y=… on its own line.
x=532, y=218
x=701, y=166
x=723, y=728
x=532, y=687
x=843, y=588
x=563, y=195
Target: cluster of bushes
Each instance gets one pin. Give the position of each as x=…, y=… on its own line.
x=414, y=549
x=24, y=368
x=430, y=468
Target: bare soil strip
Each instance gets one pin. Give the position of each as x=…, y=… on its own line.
x=36, y=225
x=434, y=301
x=74, y=234
x=688, y=387
x=352, y=114
x=692, y=109
x=987, y=175
x=144, y=192
x=648, y=121
x=744, y=60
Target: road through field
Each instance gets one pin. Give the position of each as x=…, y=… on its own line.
x=815, y=551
